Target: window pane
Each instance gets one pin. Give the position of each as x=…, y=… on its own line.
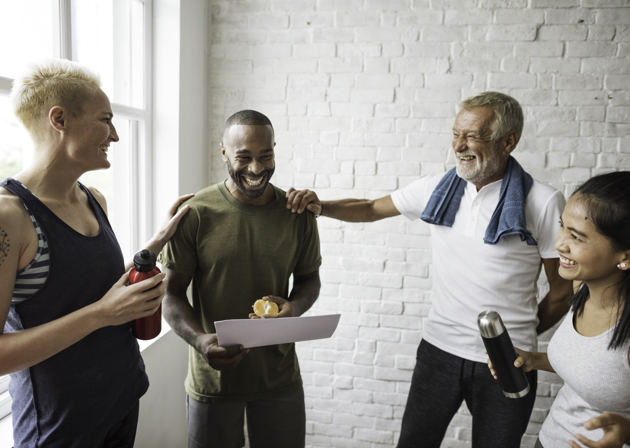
x=115, y=184
x=27, y=34
x=108, y=36
x=15, y=144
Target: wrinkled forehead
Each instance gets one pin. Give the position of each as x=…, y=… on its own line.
x=475, y=119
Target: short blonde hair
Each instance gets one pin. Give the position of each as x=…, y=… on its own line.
x=53, y=82
x=508, y=114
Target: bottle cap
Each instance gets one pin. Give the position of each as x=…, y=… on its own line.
x=490, y=324
x=144, y=261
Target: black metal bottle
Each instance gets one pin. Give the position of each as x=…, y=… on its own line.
x=502, y=354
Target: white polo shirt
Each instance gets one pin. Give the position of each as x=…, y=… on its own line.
x=470, y=276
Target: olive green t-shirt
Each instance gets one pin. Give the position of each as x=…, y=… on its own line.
x=237, y=254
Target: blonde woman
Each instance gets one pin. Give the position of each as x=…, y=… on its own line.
x=76, y=371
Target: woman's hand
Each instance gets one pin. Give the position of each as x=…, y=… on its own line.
x=123, y=303
x=616, y=432
x=168, y=227
x=527, y=360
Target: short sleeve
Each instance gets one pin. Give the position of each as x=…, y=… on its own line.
x=310, y=258
x=411, y=200
x=549, y=224
x=180, y=253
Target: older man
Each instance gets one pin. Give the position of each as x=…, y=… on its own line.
x=240, y=244
x=493, y=228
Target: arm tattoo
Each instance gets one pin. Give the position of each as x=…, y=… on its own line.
x=4, y=245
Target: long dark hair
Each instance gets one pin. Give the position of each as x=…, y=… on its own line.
x=607, y=200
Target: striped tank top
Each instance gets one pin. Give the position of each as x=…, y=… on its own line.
x=34, y=275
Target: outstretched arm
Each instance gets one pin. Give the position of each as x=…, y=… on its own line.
x=180, y=316
x=351, y=210
x=528, y=361
x=167, y=229
x=556, y=303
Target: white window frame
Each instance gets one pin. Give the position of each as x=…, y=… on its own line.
x=140, y=135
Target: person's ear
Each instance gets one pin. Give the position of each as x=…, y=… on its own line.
x=57, y=119
x=223, y=153
x=624, y=262
x=510, y=141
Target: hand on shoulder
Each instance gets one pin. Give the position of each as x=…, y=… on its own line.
x=300, y=200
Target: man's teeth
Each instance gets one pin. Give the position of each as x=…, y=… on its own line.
x=567, y=261
x=466, y=157
x=104, y=148
x=253, y=182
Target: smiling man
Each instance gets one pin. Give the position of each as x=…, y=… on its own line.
x=241, y=244
x=493, y=227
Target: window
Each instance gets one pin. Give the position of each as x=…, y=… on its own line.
x=114, y=38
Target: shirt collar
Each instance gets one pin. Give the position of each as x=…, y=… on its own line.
x=472, y=188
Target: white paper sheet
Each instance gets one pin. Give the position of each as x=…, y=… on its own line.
x=259, y=332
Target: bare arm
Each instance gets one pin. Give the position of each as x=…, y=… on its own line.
x=305, y=292
x=25, y=348
x=180, y=316
x=167, y=229
x=556, y=303
x=528, y=361
x=121, y=304
x=351, y=210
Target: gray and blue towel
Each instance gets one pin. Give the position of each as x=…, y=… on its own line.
x=509, y=215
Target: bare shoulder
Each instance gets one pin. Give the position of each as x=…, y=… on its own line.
x=17, y=233
x=12, y=211
x=99, y=197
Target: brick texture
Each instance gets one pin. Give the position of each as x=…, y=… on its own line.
x=362, y=94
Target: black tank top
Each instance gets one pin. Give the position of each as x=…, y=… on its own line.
x=72, y=398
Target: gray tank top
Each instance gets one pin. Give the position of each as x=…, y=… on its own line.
x=596, y=380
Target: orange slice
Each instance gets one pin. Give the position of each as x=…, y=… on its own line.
x=262, y=307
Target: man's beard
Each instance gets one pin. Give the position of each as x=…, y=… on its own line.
x=480, y=172
x=249, y=193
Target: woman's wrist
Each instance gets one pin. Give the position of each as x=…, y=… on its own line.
x=156, y=243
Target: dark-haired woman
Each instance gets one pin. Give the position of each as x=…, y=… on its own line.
x=590, y=350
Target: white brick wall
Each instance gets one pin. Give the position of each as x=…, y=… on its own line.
x=362, y=94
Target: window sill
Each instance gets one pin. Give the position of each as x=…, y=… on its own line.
x=6, y=426
x=6, y=432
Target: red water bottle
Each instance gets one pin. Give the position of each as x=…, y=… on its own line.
x=144, y=267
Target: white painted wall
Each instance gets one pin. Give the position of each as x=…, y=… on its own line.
x=179, y=99
x=179, y=161
x=162, y=422
x=362, y=94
